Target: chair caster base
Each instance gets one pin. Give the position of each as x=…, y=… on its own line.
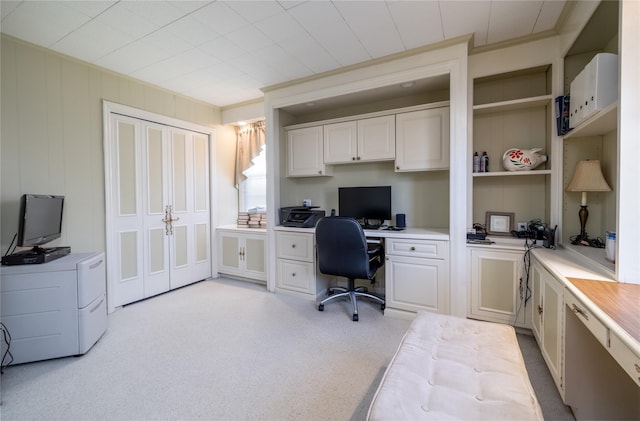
x=321, y=307
x=355, y=317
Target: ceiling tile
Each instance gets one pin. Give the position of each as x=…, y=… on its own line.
x=174, y=66
x=220, y=17
x=192, y=31
x=275, y=56
x=121, y=18
x=551, y=11
x=326, y=25
x=6, y=7
x=375, y=29
x=158, y=12
x=310, y=53
x=418, y=22
x=90, y=8
x=132, y=57
x=188, y=6
x=31, y=21
x=167, y=41
x=280, y=27
x=92, y=41
x=507, y=19
x=466, y=17
x=221, y=48
x=253, y=11
x=249, y=38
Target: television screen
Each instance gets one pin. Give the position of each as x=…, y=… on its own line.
x=40, y=219
x=367, y=203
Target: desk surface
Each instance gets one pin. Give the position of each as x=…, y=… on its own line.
x=619, y=301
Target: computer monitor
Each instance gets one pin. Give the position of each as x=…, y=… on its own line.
x=370, y=205
x=40, y=219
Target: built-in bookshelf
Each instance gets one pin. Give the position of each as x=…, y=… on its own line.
x=512, y=110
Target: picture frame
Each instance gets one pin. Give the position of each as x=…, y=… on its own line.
x=499, y=223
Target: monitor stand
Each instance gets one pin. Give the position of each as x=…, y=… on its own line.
x=369, y=226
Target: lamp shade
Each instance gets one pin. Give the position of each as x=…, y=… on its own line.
x=588, y=177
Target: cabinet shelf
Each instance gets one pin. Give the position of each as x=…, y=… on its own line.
x=603, y=122
x=510, y=173
x=516, y=104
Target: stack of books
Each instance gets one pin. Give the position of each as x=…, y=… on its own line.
x=252, y=219
x=257, y=220
x=243, y=219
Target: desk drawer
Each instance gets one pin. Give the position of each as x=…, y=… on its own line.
x=294, y=246
x=433, y=249
x=595, y=326
x=295, y=276
x=627, y=359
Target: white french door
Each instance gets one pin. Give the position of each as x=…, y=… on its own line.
x=158, y=208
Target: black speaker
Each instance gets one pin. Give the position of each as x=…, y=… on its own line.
x=401, y=220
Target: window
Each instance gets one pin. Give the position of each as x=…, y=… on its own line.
x=253, y=191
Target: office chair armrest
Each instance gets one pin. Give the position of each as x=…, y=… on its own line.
x=376, y=252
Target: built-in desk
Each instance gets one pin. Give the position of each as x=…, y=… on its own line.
x=416, y=274
x=599, y=339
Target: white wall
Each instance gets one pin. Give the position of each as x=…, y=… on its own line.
x=52, y=138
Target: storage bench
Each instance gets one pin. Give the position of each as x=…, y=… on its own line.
x=452, y=368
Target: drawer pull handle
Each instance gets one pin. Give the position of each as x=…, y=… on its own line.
x=412, y=248
x=293, y=274
x=539, y=309
x=578, y=310
x=637, y=367
x=96, y=264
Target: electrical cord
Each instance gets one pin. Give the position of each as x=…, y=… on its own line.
x=6, y=336
x=9, y=251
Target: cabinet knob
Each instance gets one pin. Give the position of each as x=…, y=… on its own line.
x=319, y=172
x=353, y=158
x=358, y=158
x=293, y=246
x=293, y=274
x=412, y=248
x=539, y=309
x=637, y=367
x=397, y=168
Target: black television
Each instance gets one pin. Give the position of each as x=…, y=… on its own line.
x=370, y=205
x=40, y=220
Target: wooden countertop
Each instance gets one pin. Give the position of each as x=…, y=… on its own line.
x=619, y=301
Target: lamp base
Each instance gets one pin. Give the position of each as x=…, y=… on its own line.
x=584, y=240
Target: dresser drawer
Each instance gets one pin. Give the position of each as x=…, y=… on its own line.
x=627, y=359
x=595, y=326
x=433, y=249
x=294, y=246
x=295, y=276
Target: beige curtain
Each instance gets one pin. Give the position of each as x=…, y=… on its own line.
x=251, y=139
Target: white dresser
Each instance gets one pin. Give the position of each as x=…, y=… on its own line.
x=54, y=309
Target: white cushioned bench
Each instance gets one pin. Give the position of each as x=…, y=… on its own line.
x=453, y=368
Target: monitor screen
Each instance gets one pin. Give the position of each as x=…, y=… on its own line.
x=368, y=203
x=40, y=219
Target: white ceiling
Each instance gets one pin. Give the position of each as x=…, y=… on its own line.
x=224, y=52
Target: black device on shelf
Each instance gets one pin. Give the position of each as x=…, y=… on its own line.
x=40, y=223
x=300, y=216
x=366, y=204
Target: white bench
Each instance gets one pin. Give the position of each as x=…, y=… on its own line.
x=453, y=368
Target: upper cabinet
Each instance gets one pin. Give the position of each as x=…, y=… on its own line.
x=513, y=111
x=370, y=139
x=417, y=138
x=305, y=156
x=422, y=140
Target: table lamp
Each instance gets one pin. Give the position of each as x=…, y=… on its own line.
x=586, y=177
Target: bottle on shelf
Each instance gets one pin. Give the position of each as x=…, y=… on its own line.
x=484, y=162
x=476, y=162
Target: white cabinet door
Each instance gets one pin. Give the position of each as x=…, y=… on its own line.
x=422, y=140
x=305, y=156
x=414, y=284
x=376, y=139
x=495, y=286
x=242, y=254
x=548, y=319
x=340, y=143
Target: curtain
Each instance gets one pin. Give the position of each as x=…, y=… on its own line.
x=250, y=140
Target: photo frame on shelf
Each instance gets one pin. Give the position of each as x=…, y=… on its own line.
x=500, y=223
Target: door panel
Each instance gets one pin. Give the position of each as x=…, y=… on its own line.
x=158, y=208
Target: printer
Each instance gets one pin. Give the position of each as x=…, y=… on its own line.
x=300, y=216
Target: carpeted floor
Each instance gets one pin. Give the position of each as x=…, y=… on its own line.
x=225, y=350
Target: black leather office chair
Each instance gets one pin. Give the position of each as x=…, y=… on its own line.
x=343, y=251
